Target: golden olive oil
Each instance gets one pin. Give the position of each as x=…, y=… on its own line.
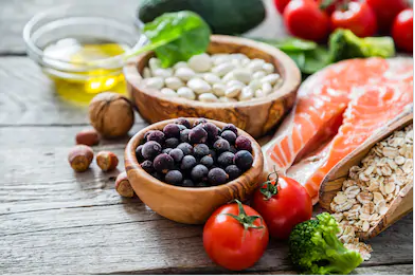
x=70, y=58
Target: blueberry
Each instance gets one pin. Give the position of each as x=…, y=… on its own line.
x=147, y=134
x=219, y=130
x=147, y=165
x=171, y=143
x=200, y=150
x=177, y=155
x=230, y=127
x=199, y=121
x=184, y=135
x=225, y=159
x=243, y=143
x=167, y=150
x=211, y=130
x=207, y=161
x=188, y=162
x=171, y=130
x=221, y=145
x=199, y=172
x=233, y=149
x=156, y=136
x=151, y=149
x=198, y=136
x=233, y=171
x=186, y=148
x=163, y=163
x=229, y=136
x=174, y=177
x=183, y=121
x=188, y=183
x=217, y=176
x=158, y=176
x=212, y=153
x=139, y=153
x=243, y=159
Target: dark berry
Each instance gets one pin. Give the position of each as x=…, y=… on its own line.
x=212, y=153
x=199, y=121
x=151, y=149
x=221, y=145
x=200, y=150
x=198, y=136
x=163, y=163
x=199, y=172
x=147, y=134
x=233, y=149
x=147, y=165
x=171, y=143
x=182, y=127
x=217, y=176
x=171, y=130
x=168, y=150
x=207, y=161
x=156, y=136
x=177, y=155
x=225, y=159
x=243, y=159
x=158, y=176
x=211, y=130
x=188, y=183
x=174, y=177
x=243, y=143
x=188, y=162
x=183, y=122
x=233, y=171
x=219, y=130
x=184, y=135
x=139, y=153
x=202, y=185
x=186, y=148
x=229, y=136
x=230, y=127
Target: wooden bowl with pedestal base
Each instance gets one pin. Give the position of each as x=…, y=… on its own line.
x=256, y=116
x=183, y=204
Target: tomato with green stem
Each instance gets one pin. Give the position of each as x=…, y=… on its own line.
x=283, y=203
x=235, y=236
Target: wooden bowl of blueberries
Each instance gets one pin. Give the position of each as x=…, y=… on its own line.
x=240, y=81
x=185, y=168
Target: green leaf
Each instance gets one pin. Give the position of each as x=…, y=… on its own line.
x=290, y=44
x=316, y=60
x=298, y=58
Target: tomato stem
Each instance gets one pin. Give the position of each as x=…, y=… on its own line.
x=246, y=221
x=270, y=190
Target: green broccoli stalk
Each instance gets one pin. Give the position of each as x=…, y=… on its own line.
x=343, y=44
x=315, y=248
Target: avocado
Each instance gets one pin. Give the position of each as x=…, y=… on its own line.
x=231, y=17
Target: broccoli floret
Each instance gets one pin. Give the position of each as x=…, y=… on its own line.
x=343, y=44
x=315, y=248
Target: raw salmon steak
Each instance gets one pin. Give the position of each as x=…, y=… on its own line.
x=374, y=91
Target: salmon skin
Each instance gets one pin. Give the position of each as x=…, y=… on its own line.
x=341, y=106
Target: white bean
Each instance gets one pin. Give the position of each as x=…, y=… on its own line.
x=154, y=63
x=223, y=68
x=180, y=64
x=242, y=75
x=220, y=58
x=268, y=68
x=164, y=73
x=211, y=78
x=200, y=63
x=229, y=76
x=246, y=94
x=266, y=88
x=146, y=73
x=235, y=83
x=256, y=64
x=154, y=82
x=227, y=100
x=173, y=83
x=237, y=63
x=168, y=92
x=255, y=84
x=272, y=78
x=233, y=91
x=208, y=97
x=258, y=75
x=199, y=86
x=239, y=56
x=219, y=89
x=186, y=92
x=259, y=93
x=245, y=62
x=185, y=73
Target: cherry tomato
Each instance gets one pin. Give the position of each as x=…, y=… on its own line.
x=280, y=5
x=386, y=11
x=235, y=236
x=403, y=30
x=304, y=19
x=329, y=6
x=282, y=206
x=357, y=17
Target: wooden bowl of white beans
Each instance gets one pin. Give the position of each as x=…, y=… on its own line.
x=240, y=81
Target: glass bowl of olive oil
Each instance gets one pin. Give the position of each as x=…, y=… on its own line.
x=82, y=48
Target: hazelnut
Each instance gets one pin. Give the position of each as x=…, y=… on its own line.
x=80, y=157
x=107, y=160
x=111, y=114
x=123, y=186
x=87, y=137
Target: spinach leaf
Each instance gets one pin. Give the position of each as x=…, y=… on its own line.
x=290, y=44
x=316, y=60
x=176, y=36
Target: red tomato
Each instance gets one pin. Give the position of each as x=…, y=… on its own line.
x=282, y=206
x=235, y=236
x=280, y=5
x=304, y=19
x=328, y=6
x=403, y=30
x=358, y=17
x=386, y=11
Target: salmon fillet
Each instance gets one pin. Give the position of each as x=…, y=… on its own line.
x=374, y=91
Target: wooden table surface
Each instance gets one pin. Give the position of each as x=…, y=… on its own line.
x=53, y=220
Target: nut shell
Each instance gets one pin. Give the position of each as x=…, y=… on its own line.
x=122, y=185
x=88, y=137
x=111, y=114
x=80, y=157
x=107, y=160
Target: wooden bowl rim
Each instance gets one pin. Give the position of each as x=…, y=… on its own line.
x=291, y=73
x=133, y=165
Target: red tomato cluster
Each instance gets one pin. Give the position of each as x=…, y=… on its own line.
x=236, y=235
x=316, y=19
